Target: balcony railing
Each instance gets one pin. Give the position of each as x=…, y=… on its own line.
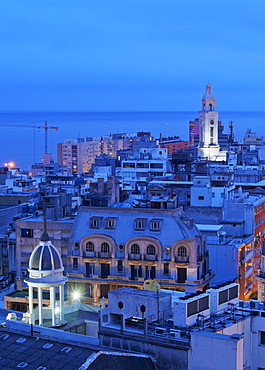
x=89, y=254
x=182, y=259
x=150, y=257
x=104, y=255
x=135, y=256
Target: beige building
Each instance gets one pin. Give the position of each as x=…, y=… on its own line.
x=122, y=247
x=106, y=248
x=78, y=155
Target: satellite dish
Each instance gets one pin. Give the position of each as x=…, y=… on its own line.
x=152, y=285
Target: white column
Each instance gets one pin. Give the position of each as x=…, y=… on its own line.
x=52, y=303
x=31, y=305
x=61, y=290
x=40, y=305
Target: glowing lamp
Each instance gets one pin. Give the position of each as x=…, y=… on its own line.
x=76, y=296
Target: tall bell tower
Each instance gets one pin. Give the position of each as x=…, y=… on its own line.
x=208, y=118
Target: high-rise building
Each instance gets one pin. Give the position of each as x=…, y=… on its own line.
x=194, y=129
x=78, y=155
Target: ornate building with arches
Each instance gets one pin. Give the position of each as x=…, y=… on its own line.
x=112, y=248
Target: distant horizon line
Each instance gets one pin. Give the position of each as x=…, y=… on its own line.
x=125, y=111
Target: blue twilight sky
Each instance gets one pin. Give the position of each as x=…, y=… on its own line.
x=131, y=55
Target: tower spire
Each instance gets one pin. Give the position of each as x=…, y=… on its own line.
x=45, y=236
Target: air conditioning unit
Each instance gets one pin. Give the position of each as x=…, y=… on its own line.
x=175, y=333
x=160, y=331
x=222, y=295
x=187, y=309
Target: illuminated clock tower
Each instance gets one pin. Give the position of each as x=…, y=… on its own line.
x=208, y=118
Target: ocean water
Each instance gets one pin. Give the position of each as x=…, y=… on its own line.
x=25, y=145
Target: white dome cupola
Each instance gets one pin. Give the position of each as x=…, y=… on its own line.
x=46, y=273
x=45, y=257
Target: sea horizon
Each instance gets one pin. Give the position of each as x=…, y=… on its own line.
x=25, y=145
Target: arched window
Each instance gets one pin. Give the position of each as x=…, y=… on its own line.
x=210, y=106
x=182, y=252
x=135, y=249
x=104, y=248
x=151, y=250
x=204, y=247
x=89, y=247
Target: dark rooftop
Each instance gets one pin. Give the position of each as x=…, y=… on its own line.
x=33, y=353
x=112, y=361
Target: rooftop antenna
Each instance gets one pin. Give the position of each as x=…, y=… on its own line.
x=231, y=131
x=45, y=236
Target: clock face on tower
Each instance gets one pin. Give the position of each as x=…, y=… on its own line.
x=212, y=122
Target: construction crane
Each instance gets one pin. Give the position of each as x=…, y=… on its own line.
x=45, y=127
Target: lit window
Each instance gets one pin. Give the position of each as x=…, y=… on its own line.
x=26, y=233
x=128, y=165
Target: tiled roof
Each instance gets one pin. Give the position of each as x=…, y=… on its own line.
x=31, y=354
x=109, y=361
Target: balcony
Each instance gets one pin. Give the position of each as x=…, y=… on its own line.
x=182, y=259
x=249, y=271
x=104, y=255
x=89, y=254
x=149, y=257
x=249, y=254
x=135, y=256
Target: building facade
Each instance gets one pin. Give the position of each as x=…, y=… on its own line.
x=119, y=247
x=137, y=168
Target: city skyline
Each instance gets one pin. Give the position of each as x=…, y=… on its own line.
x=131, y=56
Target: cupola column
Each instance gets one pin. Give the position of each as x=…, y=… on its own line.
x=52, y=302
x=61, y=292
x=31, y=305
x=40, y=306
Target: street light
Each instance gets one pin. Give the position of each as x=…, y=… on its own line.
x=76, y=296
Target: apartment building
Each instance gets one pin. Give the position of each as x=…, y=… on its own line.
x=115, y=247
